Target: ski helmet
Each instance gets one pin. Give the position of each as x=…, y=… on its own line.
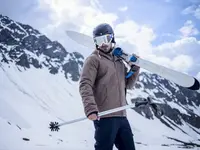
x=103, y=29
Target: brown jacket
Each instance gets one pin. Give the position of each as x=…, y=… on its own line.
x=103, y=84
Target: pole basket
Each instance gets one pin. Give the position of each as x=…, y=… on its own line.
x=54, y=126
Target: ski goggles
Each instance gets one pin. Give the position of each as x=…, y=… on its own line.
x=104, y=39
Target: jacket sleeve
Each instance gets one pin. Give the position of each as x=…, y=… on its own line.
x=87, y=80
x=130, y=82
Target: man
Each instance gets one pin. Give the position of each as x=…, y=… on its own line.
x=103, y=87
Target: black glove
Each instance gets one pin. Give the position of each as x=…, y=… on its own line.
x=158, y=111
x=141, y=103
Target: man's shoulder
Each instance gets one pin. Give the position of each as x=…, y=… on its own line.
x=93, y=56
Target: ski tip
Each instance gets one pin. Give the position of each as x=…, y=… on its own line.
x=81, y=38
x=195, y=86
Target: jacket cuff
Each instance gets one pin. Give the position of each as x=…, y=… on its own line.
x=93, y=112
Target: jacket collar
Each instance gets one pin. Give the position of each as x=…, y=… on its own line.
x=109, y=56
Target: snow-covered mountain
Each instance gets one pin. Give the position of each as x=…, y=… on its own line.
x=39, y=84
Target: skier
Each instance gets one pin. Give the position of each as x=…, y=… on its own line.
x=102, y=87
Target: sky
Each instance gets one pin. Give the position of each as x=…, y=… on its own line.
x=166, y=32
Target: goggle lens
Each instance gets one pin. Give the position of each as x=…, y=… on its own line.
x=104, y=39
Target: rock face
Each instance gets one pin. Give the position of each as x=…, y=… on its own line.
x=27, y=47
x=180, y=105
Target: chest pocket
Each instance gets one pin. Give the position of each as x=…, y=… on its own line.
x=106, y=70
x=121, y=72
x=121, y=69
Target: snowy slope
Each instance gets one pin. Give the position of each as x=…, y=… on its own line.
x=39, y=84
x=29, y=106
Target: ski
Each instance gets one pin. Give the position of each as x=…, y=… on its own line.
x=179, y=78
x=55, y=126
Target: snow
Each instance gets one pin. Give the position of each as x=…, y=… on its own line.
x=31, y=99
x=141, y=78
x=18, y=31
x=177, y=106
x=174, y=86
x=151, y=92
x=66, y=59
x=21, y=29
x=7, y=112
x=17, y=39
x=57, y=50
x=31, y=54
x=6, y=26
x=154, y=81
x=8, y=47
x=135, y=94
x=38, y=104
x=145, y=80
x=3, y=45
x=49, y=46
x=194, y=108
x=153, y=132
x=41, y=58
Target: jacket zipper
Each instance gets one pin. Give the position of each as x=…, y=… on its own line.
x=117, y=81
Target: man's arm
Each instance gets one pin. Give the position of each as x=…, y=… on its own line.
x=130, y=82
x=87, y=80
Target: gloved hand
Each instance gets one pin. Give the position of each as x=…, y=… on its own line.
x=158, y=111
x=118, y=52
x=141, y=103
x=133, y=58
x=129, y=59
x=156, y=107
x=148, y=102
x=133, y=69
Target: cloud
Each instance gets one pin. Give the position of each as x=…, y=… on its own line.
x=84, y=14
x=96, y=4
x=188, y=29
x=188, y=46
x=189, y=10
x=122, y=9
x=193, y=9
x=140, y=36
x=197, y=12
x=182, y=63
x=53, y=17
x=184, y=54
x=78, y=15
x=178, y=55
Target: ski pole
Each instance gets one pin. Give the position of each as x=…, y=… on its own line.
x=54, y=126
